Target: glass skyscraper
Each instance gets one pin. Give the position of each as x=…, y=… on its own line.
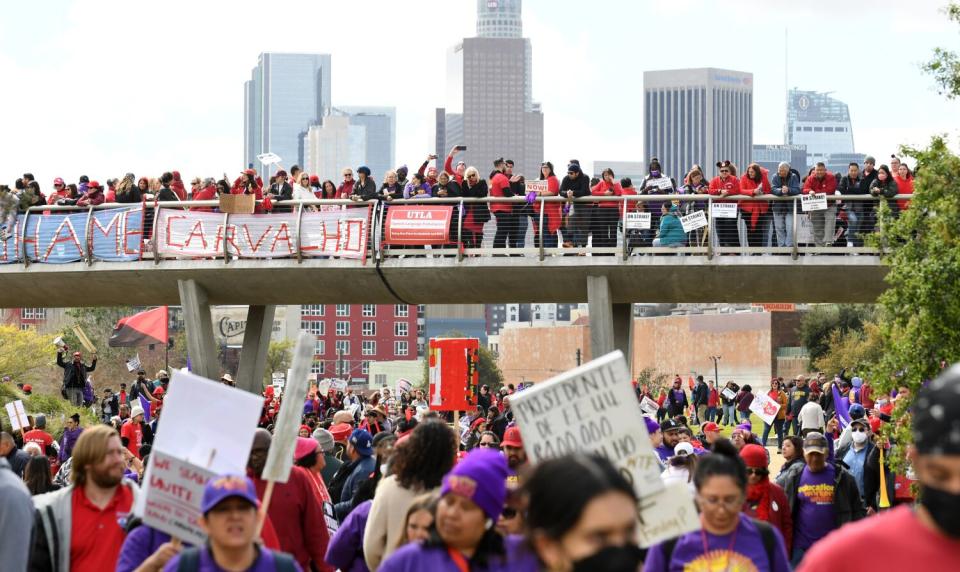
x=822, y=123
x=286, y=94
x=698, y=116
x=381, y=129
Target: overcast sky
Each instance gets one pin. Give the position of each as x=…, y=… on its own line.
x=102, y=87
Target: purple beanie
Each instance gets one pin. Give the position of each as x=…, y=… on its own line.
x=481, y=477
x=745, y=427
x=652, y=425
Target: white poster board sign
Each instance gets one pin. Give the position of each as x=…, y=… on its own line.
x=813, y=202
x=765, y=407
x=723, y=210
x=537, y=186
x=17, y=415
x=323, y=386
x=638, y=221
x=287, y=426
x=268, y=158
x=133, y=364
x=404, y=385
x=649, y=406
x=592, y=409
x=338, y=384
x=174, y=489
x=667, y=515
x=728, y=393
x=662, y=184
x=693, y=221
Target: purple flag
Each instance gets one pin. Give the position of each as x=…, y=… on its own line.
x=145, y=403
x=842, y=406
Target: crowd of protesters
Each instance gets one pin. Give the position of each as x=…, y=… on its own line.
x=758, y=223
x=381, y=482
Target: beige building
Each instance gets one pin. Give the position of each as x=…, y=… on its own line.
x=386, y=373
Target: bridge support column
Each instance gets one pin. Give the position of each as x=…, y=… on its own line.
x=256, y=341
x=611, y=325
x=196, y=317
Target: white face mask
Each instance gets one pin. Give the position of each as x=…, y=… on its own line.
x=859, y=437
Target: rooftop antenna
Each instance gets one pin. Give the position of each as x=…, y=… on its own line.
x=786, y=85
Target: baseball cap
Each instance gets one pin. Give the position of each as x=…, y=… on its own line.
x=683, y=449
x=325, y=439
x=305, y=446
x=857, y=411
x=711, y=427
x=861, y=421
x=815, y=443
x=94, y=185
x=512, y=438
x=58, y=181
x=222, y=487
x=362, y=442
x=670, y=425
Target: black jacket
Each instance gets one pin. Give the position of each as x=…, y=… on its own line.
x=280, y=192
x=481, y=212
x=580, y=186
x=131, y=195
x=848, y=186
x=847, y=505
x=167, y=194
x=700, y=394
x=70, y=372
x=366, y=190
x=394, y=193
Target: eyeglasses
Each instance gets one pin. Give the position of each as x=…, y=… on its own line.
x=509, y=513
x=758, y=472
x=488, y=445
x=732, y=503
x=858, y=429
x=724, y=171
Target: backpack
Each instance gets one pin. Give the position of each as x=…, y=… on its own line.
x=190, y=561
x=766, y=535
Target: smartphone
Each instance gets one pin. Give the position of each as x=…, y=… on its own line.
x=461, y=147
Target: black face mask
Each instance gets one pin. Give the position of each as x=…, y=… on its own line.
x=625, y=558
x=944, y=509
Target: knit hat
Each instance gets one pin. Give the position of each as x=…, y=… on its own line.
x=136, y=410
x=325, y=439
x=364, y=170
x=754, y=456
x=40, y=421
x=220, y=488
x=870, y=159
x=305, y=446
x=573, y=168
x=936, y=418
x=652, y=425
x=304, y=428
x=481, y=477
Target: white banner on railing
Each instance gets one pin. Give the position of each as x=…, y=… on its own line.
x=340, y=233
x=813, y=202
x=723, y=210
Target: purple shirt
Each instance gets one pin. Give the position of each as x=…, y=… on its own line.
x=264, y=562
x=139, y=545
x=416, y=557
x=345, y=550
x=815, y=513
x=748, y=553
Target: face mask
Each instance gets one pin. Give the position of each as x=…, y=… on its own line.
x=944, y=508
x=655, y=174
x=859, y=437
x=612, y=559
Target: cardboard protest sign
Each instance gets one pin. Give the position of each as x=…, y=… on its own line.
x=693, y=221
x=638, y=221
x=403, y=385
x=649, y=406
x=667, y=515
x=765, y=407
x=174, y=489
x=338, y=384
x=84, y=340
x=723, y=210
x=17, y=415
x=662, y=184
x=280, y=458
x=813, y=202
x=453, y=374
x=592, y=409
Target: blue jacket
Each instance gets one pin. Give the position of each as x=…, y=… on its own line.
x=793, y=189
x=671, y=231
x=361, y=472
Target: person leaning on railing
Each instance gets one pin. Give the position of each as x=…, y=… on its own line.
x=723, y=185
x=885, y=186
x=604, y=223
x=574, y=186
x=756, y=214
x=785, y=183
x=475, y=214
x=824, y=221
x=444, y=189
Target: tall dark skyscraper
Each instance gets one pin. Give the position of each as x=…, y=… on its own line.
x=490, y=106
x=698, y=116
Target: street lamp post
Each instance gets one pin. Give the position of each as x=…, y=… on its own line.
x=716, y=370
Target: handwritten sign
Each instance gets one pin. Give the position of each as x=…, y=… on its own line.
x=649, y=406
x=723, y=210
x=338, y=384
x=662, y=184
x=693, y=221
x=593, y=409
x=765, y=407
x=813, y=202
x=110, y=235
x=269, y=158
x=667, y=515
x=638, y=221
x=173, y=492
x=133, y=364
x=17, y=415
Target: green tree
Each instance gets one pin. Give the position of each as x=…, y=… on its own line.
x=818, y=324
x=97, y=323
x=945, y=65
x=24, y=353
x=653, y=379
x=855, y=350
x=490, y=373
x=278, y=359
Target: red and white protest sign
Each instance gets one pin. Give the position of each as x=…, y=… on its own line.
x=341, y=233
x=454, y=376
x=418, y=224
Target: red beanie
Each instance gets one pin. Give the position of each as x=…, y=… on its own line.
x=754, y=456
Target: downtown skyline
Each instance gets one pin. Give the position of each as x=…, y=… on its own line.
x=88, y=107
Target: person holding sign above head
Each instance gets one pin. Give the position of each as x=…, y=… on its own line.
x=824, y=221
x=728, y=539
x=229, y=518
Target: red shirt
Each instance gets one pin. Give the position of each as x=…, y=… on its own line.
x=134, y=434
x=600, y=190
x=897, y=541
x=96, y=535
x=828, y=184
x=498, y=185
x=731, y=185
x=40, y=437
x=904, y=187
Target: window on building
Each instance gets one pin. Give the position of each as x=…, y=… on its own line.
x=343, y=328
x=400, y=348
x=421, y=348
x=369, y=310
x=364, y=367
x=818, y=129
x=315, y=327
x=401, y=310
x=829, y=129
x=33, y=313
x=25, y=327
x=343, y=347
x=400, y=329
x=312, y=310
x=316, y=367
x=368, y=347
x=343, y=367
x=343, y=310
x=420, y=328
x=380, y=379
x=320, y=347
x=369, y=328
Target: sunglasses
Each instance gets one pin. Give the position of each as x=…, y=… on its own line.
x=348, y=174
x=859, y=429
x=724, y=171
x=489, y=445
x=758, y=472
x=509, y=513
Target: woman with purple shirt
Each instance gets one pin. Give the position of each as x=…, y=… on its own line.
x=417, y=188
x=728, y=539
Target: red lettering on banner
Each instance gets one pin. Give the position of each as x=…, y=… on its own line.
x=169, y=221
x=71, y=238
x=350, y=224
x=196, y=231
x=335, y=239
x=256, y=246
x=284, y=232
x=230, y=236
x=106, y=232
x=128, y=233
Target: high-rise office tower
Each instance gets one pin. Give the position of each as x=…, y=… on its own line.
x=381, y=136
x=332, y=145
x=286, y=93
x=698, y=116
x=489, y=105
x=823, y=124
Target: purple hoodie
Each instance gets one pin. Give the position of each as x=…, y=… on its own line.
x=345, y=550
x=67, y=442
x=139, y=545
